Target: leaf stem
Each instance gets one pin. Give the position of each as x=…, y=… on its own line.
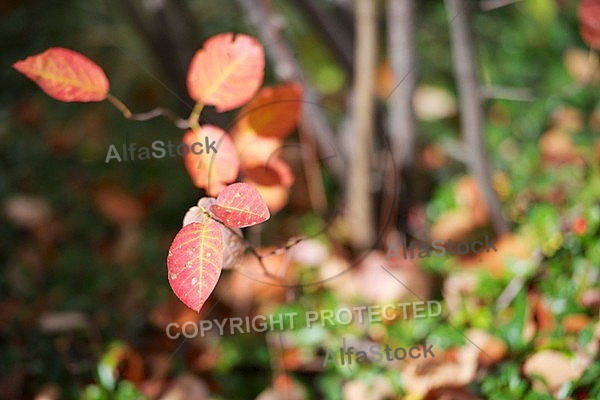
x=156, y=112
x=120, y=105
x=250, y=248
x=194, y=116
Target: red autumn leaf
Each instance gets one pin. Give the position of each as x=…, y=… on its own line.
x=233, y=243
x=589, y=18
x=240, y=205
x=65, y=75
x=273, y=112
x=211, y=171
x=195, y=261
x=226, y=72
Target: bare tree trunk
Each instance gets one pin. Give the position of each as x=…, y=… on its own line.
x=471, y=115
x=402, y=54
x=359, y=201
x=401, y=118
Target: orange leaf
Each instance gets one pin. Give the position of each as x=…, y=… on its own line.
x=226, y=72
x=272, y=181
x=254, y=150
x=273, y=112
x=210, y=170
x=240, y=205
x=195, y=261
x=65, y=75
x=589, y=19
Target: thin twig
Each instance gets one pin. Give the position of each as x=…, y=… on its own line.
x=507, y=93
x=488, y=5
x=248, y=246
x=154, y=113
x=291, y=243
x=471, y=116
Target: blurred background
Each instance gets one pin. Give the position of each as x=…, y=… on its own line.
x=446, y=120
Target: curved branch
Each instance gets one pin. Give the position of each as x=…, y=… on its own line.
x=157, y=112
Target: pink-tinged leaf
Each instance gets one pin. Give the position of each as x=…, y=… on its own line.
x=211, y=171
x=240, y=205
x=226, y=72
x=65, y=75
x=195, y=261
x=233, y=244
x=274, y=112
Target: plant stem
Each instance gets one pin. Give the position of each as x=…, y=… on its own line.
x=194, y=116
x=157, y=112
x=120, y=106
x=248, y=247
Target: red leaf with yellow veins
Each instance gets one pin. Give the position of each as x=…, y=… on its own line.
x=240, y=205
x=195, y=261
x=227, y=71
x=65, y=75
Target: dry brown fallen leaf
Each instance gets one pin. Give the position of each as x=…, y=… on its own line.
x=118, y=206
x=568, y=119
x=493, y=350
x=553, y=367
x=50, y=391
x=469, y=196
x=557, y=148
x=594, y=120
x=454, y=367
x=290, y=392
x=590, y=299
x=186, y=387
x=450, y=393
x=309, y=252
x=575, y=323
x=511, y=248
x=433, y=157
x=172, y=311
x=379, y=389
x=369, y=282
x=582, y=65
x=376, y=285
x=543, y=315
x=455, y=225
x=27, y=211
x=63, y=321
x=459, y=291
x=433, y=102
x=249, y=285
